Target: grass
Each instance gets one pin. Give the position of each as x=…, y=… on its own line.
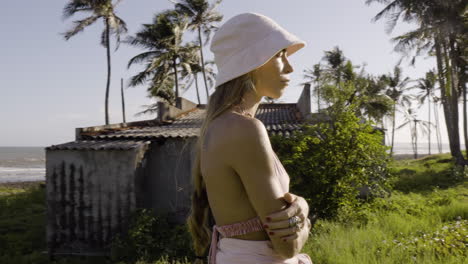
x=425, y=220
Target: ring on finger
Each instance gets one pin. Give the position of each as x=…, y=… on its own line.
x=294, y=220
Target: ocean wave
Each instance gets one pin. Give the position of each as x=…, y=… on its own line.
x=14, y=169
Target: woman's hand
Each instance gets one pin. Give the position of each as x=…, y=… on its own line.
x=278, y=223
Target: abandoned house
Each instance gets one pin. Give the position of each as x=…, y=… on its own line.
x=95, y=182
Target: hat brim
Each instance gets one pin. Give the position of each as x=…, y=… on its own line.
x=258, y=54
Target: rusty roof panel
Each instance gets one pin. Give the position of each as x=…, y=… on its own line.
x=100, y=145
x=281, y=119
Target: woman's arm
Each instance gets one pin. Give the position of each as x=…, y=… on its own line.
x=278, y=222
x=249, y=153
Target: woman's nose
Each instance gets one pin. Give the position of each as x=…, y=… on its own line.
x=287, y=67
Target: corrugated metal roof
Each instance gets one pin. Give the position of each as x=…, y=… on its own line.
x=279, y=119
x=100, y=145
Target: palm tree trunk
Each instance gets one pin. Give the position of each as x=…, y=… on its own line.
x=440, y=72
x=461, y=66
x=465, y=122
x=108, y=71
x=447, y=99
x=195, y=76
x=438, y=136
x=318, y=97
x=415, y=140
x=429, y=104
x=451, y=68
x=393, y=128
x=412, y=137
x=203, y=63
x=174, y=65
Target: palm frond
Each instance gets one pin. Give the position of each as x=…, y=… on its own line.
x=145, y=56
x=140, y=78
x=80, y=25
x=74, y=7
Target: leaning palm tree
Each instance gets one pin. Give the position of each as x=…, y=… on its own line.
x=416, y=126
x=202, y=17
x=397, y=92
x=165, y=54
x=163, y=92
x=113, y=25
x=426, y=86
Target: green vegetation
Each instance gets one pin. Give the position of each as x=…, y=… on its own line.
x=440, y=32
x=425, y=220
x=331, y=160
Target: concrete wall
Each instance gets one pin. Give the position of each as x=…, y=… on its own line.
x=90, y=195
x=167, y=184
x=303, y=103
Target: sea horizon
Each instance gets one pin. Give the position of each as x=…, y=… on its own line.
x=27, y=163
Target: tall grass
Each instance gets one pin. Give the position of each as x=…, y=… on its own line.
x=423, y=221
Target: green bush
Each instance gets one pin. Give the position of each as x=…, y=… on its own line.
x=152, y=237
x=329, y=162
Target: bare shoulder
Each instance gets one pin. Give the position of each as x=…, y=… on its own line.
x=241, y=130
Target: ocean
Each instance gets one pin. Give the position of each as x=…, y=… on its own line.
x=28, y=163
x=22, y=164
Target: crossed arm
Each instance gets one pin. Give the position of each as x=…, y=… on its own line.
x=251, y=156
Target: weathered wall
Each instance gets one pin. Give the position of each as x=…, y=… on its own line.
x=167, y=185
x=90, y=195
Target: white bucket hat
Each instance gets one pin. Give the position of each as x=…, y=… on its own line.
x=246, y=42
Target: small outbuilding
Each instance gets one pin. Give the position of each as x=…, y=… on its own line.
x=95, y=182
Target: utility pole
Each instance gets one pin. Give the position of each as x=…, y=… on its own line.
x=123, y=99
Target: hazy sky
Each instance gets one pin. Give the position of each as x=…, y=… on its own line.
x=51, y=86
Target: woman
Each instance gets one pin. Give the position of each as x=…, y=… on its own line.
x=238, y=178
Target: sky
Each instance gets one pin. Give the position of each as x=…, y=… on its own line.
x=50, y=86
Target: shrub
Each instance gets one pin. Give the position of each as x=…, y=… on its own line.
x=152, y=237
x=329, y=162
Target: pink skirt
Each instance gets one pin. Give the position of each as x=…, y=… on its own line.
x=239, y=251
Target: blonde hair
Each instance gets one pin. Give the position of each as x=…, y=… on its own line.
x=226, y=96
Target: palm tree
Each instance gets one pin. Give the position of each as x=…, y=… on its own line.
x=442, y=30
x=335, y=61
x=164, y=92
x=415, y=125
x=315, y=75
x=190, y=75
x=191, y=78
x=427, y=86
x=201, y=16
x=164, y=56
x=375, y=103
x=437, y=123
x=112, y=25
x=397, y=92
